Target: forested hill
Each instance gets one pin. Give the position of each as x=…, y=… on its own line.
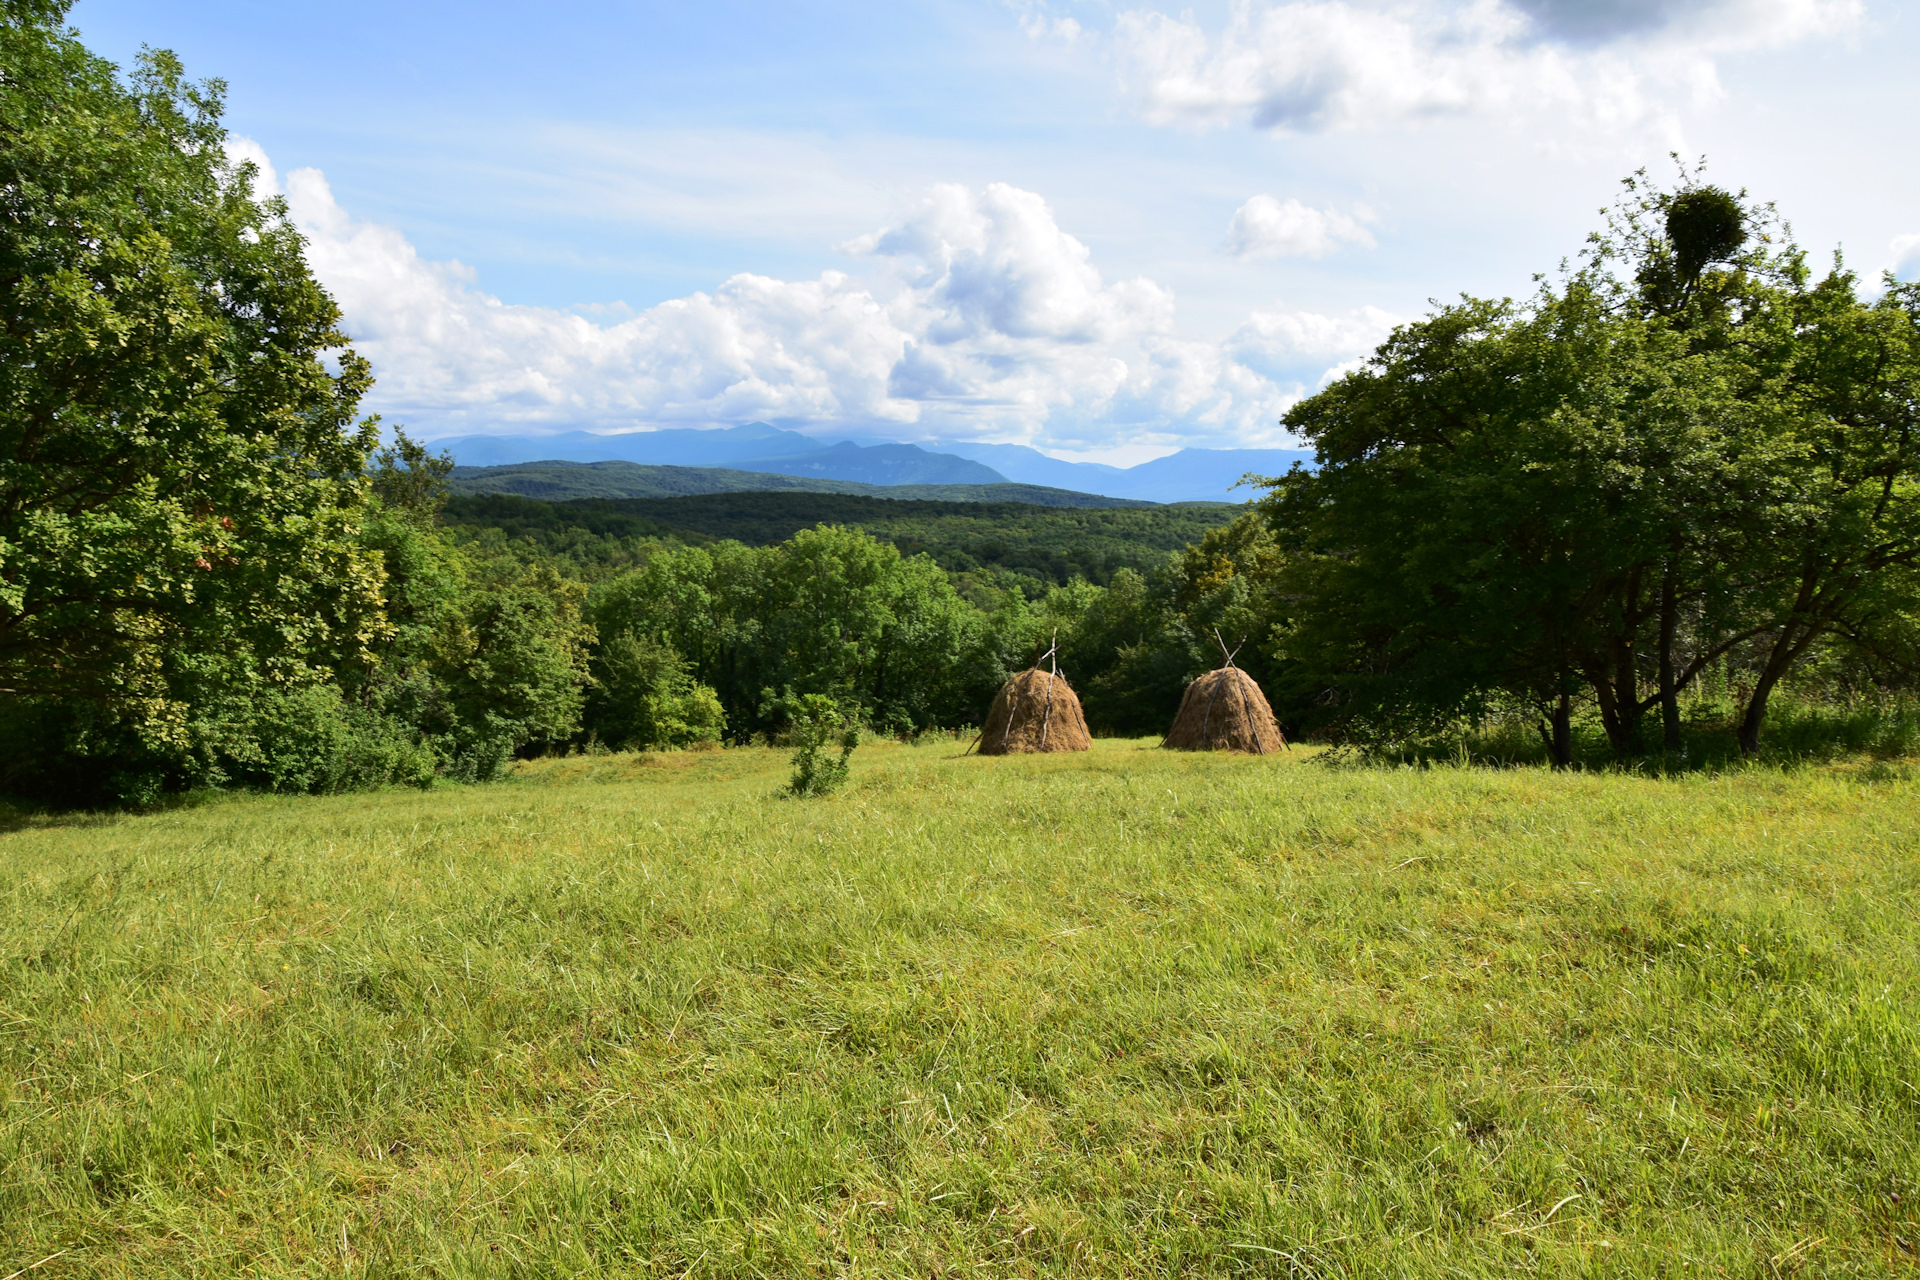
x=555, y=481
x=1053, y=544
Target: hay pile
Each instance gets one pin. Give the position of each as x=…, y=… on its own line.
x=1035, y=711
x=1224, y=710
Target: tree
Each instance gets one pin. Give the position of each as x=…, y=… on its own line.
x=1477, y=515
x=1841, y=527
x=643, y=696
x=180, y=474
x=831, y=611
x=1679, y=452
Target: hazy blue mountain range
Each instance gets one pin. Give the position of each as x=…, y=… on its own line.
x=1187, y=476
x=553, y=481
x=885, y=464
x=678, y=447
x=1191, y=475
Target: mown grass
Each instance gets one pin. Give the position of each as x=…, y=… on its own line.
x=1128, y=1013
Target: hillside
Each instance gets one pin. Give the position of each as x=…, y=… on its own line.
x=557, y=481
x=1054, y=544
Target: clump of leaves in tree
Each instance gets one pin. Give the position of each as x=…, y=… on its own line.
x=818, y=725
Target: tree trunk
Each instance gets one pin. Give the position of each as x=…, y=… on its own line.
x=1796, y=633
x=1619, y=716
x=1756, y=713
x=1557, y=733
x=1669, y=679
x=1793, y=641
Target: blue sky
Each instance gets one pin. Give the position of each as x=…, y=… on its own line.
x=1104, y=229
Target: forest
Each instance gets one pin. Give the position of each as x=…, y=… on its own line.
x=1678, y=482
x=1043, y=545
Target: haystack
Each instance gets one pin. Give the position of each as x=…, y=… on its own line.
x=1035, y=711
x=1224, y=710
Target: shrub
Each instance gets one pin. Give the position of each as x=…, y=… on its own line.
x=818, y=723
x=312, y=740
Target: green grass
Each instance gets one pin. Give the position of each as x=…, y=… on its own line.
x=1128, y=1013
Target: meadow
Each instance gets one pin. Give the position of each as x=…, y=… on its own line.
x=1128, y=1013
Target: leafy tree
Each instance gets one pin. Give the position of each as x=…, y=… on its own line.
x=1679, y=453
x=1132, y=655
x=180, y=475
x=643, y=696
x=1469, y=523
x=1840, y=532
x=406, y=478
x=831, y=612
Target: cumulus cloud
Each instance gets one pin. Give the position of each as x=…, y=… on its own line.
x=1906, y=257
x=1310, y=65
x=1264, y=227
x=1290, y=347
x=974, y=314
x=1039, y=24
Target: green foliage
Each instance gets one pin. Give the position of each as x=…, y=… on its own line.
x=816, y=725
x=1659, y=466
x=1039, y=545
x=180, y=476
x=830, y=612
x=406, y=478
x=643, y=696
x=312, y=740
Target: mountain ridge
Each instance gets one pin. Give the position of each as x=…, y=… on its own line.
x=1189, y=475
x=559, y=480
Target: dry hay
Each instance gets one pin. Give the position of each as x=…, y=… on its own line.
x=1224, y=710
x=1035, y=711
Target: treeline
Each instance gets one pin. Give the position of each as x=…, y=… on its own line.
x=1688, y=461
x=1044, y=545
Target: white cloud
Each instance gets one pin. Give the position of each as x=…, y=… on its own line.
x=1317, y=65
x=1041, y=25
x=972, y=316
x=1305, y=347
x=1906, y=257
x=1264, y=227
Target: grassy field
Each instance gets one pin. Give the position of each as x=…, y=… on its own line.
x=1128, y=1013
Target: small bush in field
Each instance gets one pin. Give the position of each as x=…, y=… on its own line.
x=819, y=724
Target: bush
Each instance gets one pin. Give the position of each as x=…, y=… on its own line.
x=818, y=723
x=312, y=740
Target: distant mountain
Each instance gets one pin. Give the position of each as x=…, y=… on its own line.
x=887, y=464
x=556, y=481
x=1191, y=475
x=1030, y=466
x=754, y=447
x=676, y=447
x=1205, y=474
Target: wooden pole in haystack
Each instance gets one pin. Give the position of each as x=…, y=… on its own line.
x=1247, y=717
x=1046, y=717
x=1019, y=730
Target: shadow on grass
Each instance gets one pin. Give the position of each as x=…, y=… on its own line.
x=17, y=814
x=1876, y=735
